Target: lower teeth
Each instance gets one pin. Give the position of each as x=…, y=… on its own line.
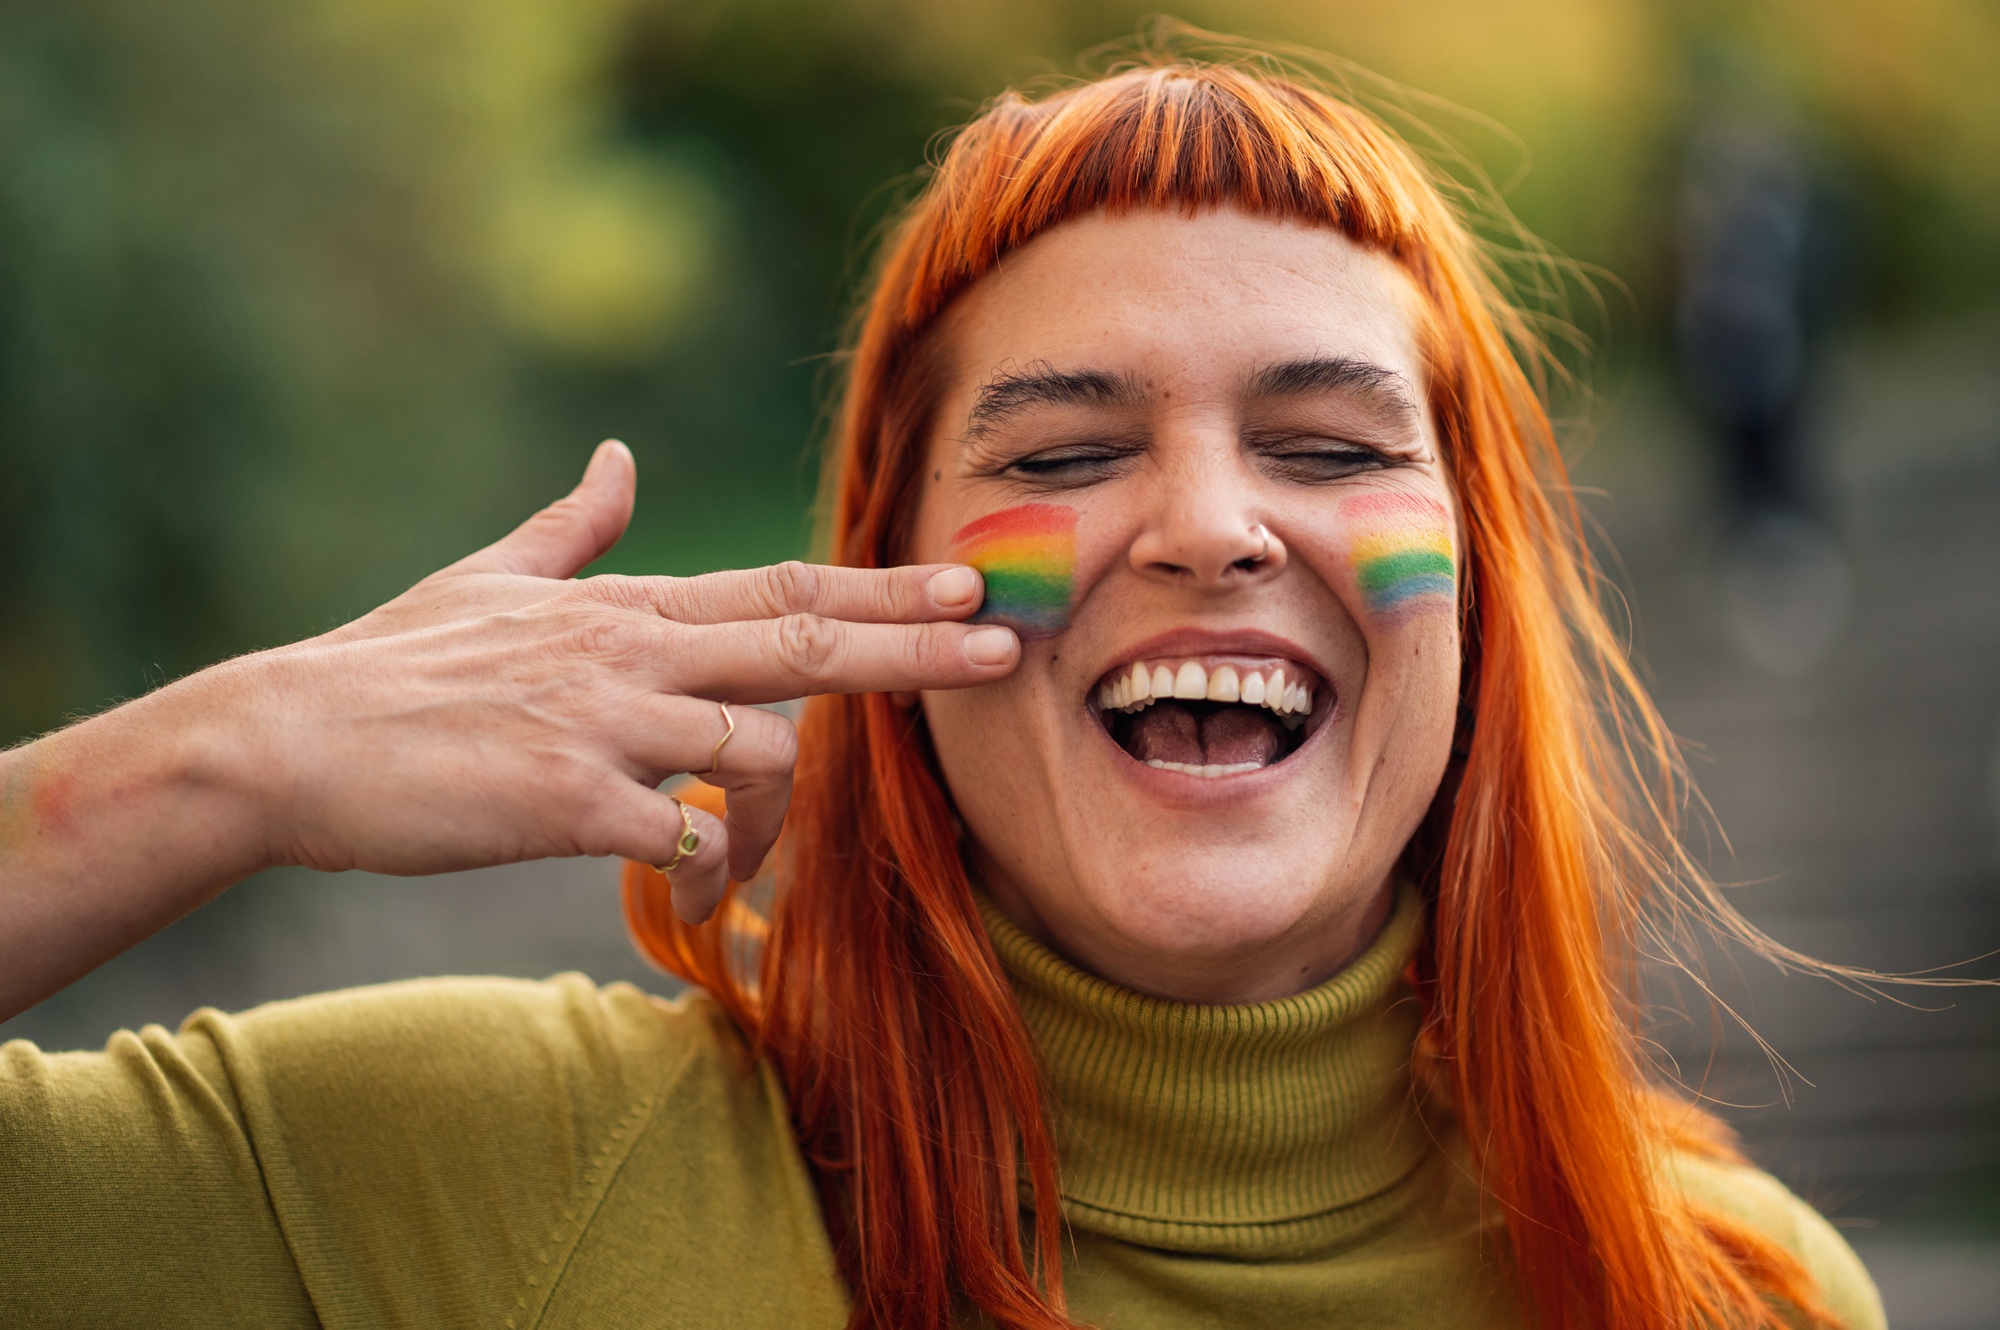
x=1211, y=771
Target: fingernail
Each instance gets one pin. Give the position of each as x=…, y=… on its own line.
x=954, y=586
x=989, y=646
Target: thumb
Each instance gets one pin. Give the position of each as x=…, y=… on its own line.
x=564, y=537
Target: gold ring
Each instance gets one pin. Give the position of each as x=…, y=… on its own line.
x=715, y=758
x=689, y=842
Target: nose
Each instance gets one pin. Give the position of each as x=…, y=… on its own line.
x=1207, y=532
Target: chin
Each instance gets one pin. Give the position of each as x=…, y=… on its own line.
x=1211, y=906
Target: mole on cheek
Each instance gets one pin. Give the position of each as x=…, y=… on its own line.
x=1400, y=552
x=1028, y=558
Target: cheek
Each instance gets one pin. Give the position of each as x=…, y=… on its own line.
x=1399, y=557
x=1392, y=556
x=982, y=738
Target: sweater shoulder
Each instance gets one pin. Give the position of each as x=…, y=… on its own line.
x=461, y=1053
x=435, y=1147
x=1760, y=1202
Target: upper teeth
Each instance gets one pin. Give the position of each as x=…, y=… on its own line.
x=1146, y=682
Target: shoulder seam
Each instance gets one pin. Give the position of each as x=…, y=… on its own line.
x=537, y=1287
x=531, y=1298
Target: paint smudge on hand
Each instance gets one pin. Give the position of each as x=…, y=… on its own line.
x=1028, y=557
x=1401, y=552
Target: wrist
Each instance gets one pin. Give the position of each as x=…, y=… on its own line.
x=162, y=789
x=213, y=741
x=113, y=828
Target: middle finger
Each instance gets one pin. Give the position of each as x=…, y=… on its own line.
x=770, y=660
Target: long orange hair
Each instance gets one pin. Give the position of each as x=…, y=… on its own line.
x=872, y=987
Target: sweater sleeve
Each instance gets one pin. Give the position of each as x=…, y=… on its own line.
x=1757, y=1199
x=400, y=1155
x=130, y=1192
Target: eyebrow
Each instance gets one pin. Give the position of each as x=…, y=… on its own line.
x=1042, y=384
x=1337, y=374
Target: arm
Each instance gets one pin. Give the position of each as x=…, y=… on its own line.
x=499, y=710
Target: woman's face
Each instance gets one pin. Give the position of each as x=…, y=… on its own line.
x=1231, y=412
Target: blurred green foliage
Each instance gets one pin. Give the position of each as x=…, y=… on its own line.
x=298, y=302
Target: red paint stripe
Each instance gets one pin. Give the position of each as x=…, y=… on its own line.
x=1383, y=507
x=1029, y=519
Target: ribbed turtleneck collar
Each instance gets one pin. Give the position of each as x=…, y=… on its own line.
x=1244, y=1131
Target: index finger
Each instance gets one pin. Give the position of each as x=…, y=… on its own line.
x=916, y=593
x=803, y=654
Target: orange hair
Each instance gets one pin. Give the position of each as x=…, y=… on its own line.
x=913, y=1083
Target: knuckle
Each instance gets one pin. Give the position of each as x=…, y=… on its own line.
x=807, y=644
x=773, y=752
x=606, y=638
x=928, y=656
x=578, y=793
x=627, y=593
x=785, y=745
x=795, y=585
x=899, y=593
x=669, y=597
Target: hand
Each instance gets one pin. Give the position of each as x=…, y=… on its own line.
x=499, y=710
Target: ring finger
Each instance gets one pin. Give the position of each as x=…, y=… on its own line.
x=752, y=761
x=701, y=874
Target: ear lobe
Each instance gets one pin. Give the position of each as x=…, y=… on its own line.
x=904, y=700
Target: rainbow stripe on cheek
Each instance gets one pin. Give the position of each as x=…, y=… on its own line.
x=1028, y=557
x=1401, y=552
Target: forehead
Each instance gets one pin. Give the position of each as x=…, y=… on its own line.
x=1198, y=299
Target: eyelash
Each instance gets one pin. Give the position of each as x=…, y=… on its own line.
x=1321, y=460
x=1298, y=460
x=1058, y=466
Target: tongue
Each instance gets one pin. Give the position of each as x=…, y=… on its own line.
x=1225, y=736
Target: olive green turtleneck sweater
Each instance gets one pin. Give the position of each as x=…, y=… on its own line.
x=499, y=1154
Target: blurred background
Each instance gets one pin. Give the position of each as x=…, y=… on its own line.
x=299, y=302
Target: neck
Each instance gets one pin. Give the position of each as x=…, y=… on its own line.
x=1237, y=972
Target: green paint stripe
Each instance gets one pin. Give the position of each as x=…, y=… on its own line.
x=1017, y=588
x=1382, y=573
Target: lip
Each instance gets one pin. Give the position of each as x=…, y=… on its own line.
x=1178, y=788
x=1208, y=642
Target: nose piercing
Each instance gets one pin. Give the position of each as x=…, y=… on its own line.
x=1265, y=548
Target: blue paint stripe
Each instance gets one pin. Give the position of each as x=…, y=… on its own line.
x=1409, y=588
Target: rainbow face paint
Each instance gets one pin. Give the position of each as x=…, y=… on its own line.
x=1401, y=552
x=1028, y=558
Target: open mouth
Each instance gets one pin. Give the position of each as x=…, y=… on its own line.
x=1211, y=716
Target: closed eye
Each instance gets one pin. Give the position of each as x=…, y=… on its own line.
x=1068, y=467
x=1310, y=461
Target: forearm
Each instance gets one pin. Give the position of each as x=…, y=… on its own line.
x=115, y=827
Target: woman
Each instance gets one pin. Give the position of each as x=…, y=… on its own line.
x=1232, y=930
